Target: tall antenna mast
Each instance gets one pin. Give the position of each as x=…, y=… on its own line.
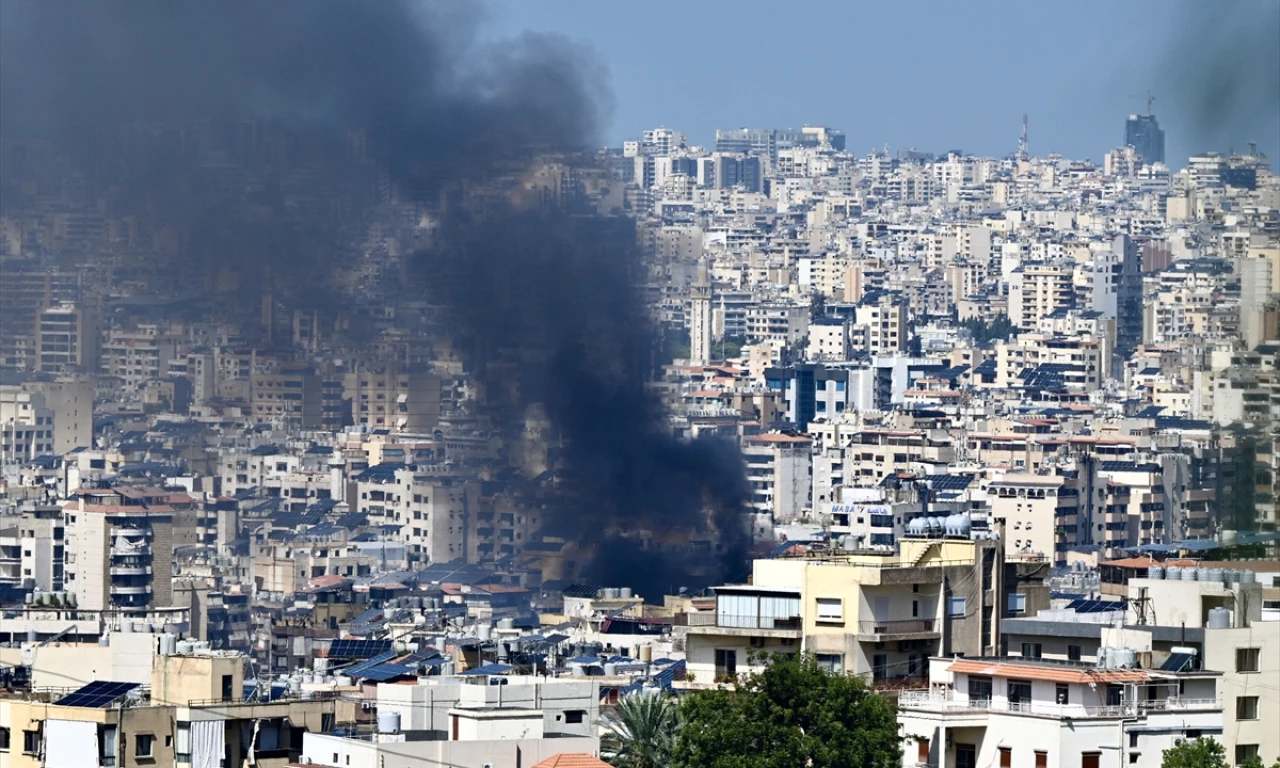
x=1151, y=99
x=1022, y=142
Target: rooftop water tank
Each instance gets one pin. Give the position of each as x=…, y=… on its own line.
x=388, y=722
x=1215, y=575
x=646, y=653
x=1247, y=576
x=320, y=664
x=1175, y=573
x=625, y=593
x=185, y=647
x=507, y=623
x=1126, y=658
x=610, y=669
x=341, y=681
x=1231, y=576
x=1219, y=618
x=916, y=527
x=1155, y=572
x=168, y=644
x=484, y=631
x=126, y=626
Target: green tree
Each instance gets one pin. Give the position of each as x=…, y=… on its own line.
x=640, y=731
x=1256, y=762
x=793, y=713
x=1200, y=753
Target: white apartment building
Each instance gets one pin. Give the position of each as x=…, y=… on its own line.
x=1038, y=290
x=32, y=550
x=778, y=467
x=1018, y=712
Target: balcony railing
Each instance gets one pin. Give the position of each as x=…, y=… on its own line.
x=934, y=701
x=904, y=627
x=743, y=621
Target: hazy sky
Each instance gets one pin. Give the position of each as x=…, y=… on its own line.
x=937, y=74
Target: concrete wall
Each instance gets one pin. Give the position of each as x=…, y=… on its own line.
x=336, y=752
x=1220, y=646
x=126, y=659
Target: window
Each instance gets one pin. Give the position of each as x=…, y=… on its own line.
x=1006, y=757
x=1245, y=752
x=1042, y=759
x=4, y=739
x=1089, y=759
x=143, y=744
x=1073, y=653
x=1133, y=740
x=1031, y=650
x=1246, y=707
x=955, y=606
x=31, y=742
x=1062, y=693
x=575, y=716
x=1133, y=757
x=1019, y=694
x=1247, y=659
x=830, y=609
x=831, y=662
x=726, y=662
x=1017, y=602
x=980, y=690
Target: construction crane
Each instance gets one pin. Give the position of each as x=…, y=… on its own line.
x=1150, y=97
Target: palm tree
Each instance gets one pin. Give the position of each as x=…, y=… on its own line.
x=640, y=731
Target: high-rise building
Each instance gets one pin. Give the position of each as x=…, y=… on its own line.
x=66, y=339
x=120, y=552
x=700, y=317
x=1144, y=134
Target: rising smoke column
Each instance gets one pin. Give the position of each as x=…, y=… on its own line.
x=556, y=288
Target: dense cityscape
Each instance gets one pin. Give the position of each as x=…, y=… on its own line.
x=319, y=448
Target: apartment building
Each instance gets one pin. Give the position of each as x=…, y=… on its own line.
x=1036, y=291
x=877, y=615
x=32, y=550
x=120, y=550
x=1074, y=362
x=778, y=472
x=66, y=339
x=886, y=326
x=291, y=394
x=1015, y=711
x=135, y=355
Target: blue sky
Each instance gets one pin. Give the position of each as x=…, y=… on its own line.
x=935, y=75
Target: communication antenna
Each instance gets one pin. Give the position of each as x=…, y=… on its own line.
x=1022, y=142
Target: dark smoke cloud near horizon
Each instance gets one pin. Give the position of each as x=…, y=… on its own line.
x=1219, y=82
x=554, y=290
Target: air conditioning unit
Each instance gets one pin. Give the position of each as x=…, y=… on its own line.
x=366, y=706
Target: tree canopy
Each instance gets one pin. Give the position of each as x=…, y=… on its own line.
x=793, y=713
x=1197, y=753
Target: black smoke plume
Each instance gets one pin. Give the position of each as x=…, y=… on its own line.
x=549, y=286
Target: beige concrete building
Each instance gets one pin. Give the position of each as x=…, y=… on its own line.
x=120, y=552
x=1037, y=290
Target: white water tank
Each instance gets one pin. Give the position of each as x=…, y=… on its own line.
x=1219, y=618
x=1126, y=658
x=1155, y=572
x=388, y=722
x=185, y=647
x=320, y=664
x=507, y=623
x=484, y=632
x=625, y=592
x=168, y=644
x=126, y=626
x=1215, y=575
x=341, y=681
x=1247, y=576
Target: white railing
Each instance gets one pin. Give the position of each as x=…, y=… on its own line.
x=1179, y=704
x=930, y=700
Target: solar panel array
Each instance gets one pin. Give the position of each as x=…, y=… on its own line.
x=358, y=649
x=95, y=695
x=380, y=673
x=950, y=482
x=1177, y=662
x=1096, y=606
x=357, y=668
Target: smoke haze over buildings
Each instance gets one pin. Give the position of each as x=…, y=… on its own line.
x=441, y=110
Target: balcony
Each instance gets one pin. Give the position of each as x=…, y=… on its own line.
x=131, y=589
x=130, y=570
x=745, y=625
x=908, y=629
x=934, y=701
x=140, y=550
